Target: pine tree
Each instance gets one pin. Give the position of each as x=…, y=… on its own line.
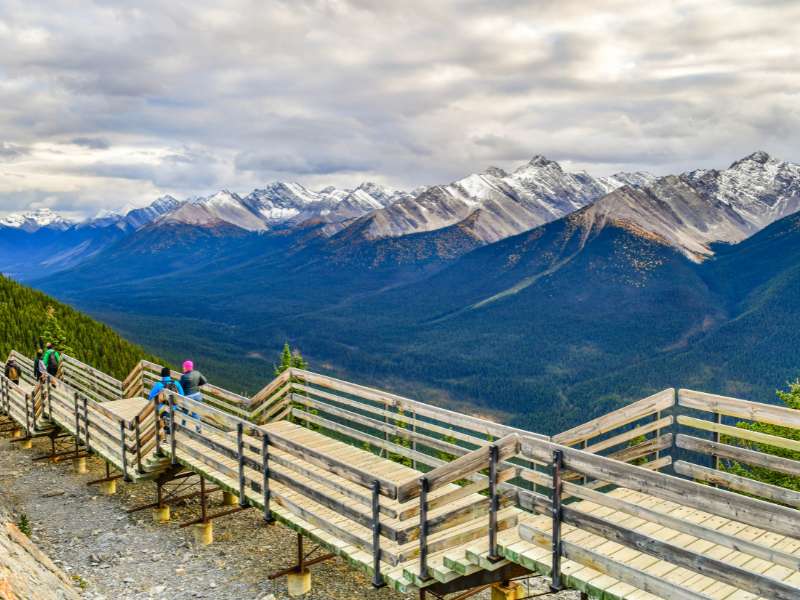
x=290, y=358
x=54, y=334
x=791, y=398
x=286, y=360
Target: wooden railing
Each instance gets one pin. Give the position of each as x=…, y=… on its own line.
x=722, y=445
x=16, y=403
x=89, y=381
x=748, y=511
x=637, y=433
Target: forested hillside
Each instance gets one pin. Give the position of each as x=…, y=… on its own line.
x=23, y=317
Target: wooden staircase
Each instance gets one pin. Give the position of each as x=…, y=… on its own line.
x=422, y=498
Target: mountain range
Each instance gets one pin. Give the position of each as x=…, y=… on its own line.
x=543, y=295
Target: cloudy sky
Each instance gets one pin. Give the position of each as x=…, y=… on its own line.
x=106, y=103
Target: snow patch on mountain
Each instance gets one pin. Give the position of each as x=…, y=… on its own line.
x=506, y=203
x=34, y=220
x=690, y=212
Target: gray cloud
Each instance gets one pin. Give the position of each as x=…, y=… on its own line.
x=95, y=143
x=123, y=101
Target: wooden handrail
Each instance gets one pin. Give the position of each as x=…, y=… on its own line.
x=742, y=409
x=618, y=418
x=459, y=468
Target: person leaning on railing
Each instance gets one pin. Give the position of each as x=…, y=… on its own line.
x=191, y=381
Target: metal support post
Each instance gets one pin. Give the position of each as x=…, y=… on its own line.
x=172, y=427
x=555, y=582
x=240, y=453
x=268, y=518
x=494, y=503
x=423, y=527
x=377, y=578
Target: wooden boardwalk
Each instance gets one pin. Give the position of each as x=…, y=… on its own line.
x=425, y=499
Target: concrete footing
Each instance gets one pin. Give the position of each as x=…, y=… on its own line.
x=299, y=583
x=26, y=444
x=204, y=534
x=512, y=591
x=229, y=499
x=161, y=514
x=108, y=488
x=79, y=464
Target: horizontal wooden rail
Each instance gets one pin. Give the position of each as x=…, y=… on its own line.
x=740, y=433
x=773, y=493
x=619, y=418
x=727, y=504
x=753, y=458
x=460, y=467
x=742, y=409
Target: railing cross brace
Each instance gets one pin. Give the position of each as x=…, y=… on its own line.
x=302, y=560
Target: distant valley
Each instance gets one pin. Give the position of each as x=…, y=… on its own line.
x=543, y=295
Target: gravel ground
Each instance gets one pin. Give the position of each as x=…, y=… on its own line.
x=112, y=555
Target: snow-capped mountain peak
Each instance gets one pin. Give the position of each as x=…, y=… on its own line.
x=36, y=219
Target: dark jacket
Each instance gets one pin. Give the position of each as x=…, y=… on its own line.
x=37, y=368
x=192, y=381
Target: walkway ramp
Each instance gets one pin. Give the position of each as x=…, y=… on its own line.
x=424, y=498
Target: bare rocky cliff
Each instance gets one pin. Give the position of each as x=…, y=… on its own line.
x=26, y=573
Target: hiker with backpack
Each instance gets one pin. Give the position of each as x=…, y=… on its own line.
x=167, y=384
x=191, y=380
x=13, y=371
x=51, y=360
x=38, y=365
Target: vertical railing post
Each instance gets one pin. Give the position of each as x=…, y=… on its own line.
x=584, y=445
x=658, y=433
x=157, y=416
x=86, y=423
x=49, y=402
x=124, y=450
x=240, y=452
x=137, y=426
x=268, y=518
x=28, y=413
x=555, y=580
x=33, y=405
x=494, y=502
x=377, y=578
x=423, y=527
x=77, y=426
x=173, y=425
x=717, y=436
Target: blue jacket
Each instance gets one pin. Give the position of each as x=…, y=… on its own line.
x=162, y=385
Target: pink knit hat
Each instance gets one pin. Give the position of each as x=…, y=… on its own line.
x=187, y=366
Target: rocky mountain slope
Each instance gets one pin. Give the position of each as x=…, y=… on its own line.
x=693, y=211
x=505, y=203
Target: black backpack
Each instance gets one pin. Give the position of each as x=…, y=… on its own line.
x=52, y=363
